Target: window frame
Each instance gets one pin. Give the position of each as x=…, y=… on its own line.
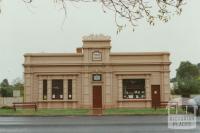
x=44, y=89
x=134, y=93
x=60, y=93
x=70, y=89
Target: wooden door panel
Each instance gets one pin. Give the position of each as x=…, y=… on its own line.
x=155, y=95
x=97, y=97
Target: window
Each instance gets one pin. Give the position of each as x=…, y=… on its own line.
x=96, y=77
x=69, y=88
x=44, y=89
x=133, y=88
x=57, y=89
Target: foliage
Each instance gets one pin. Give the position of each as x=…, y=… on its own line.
x=198, y=65
x=6, y=89
x=19, y=86
x=187, y=70
x=133, y=10
x=187, y=79
x=6, y=107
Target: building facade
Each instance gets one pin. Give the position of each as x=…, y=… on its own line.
x=95, y=77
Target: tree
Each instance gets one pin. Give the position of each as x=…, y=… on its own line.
x=198, y=65
x=6, y=89
x=19, y=86
x=187, y=79
x=133, y=10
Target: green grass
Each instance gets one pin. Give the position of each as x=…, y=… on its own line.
x=43, y=112
x=145, y=111
x=76, y=112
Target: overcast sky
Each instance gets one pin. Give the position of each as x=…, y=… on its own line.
x=37, y=28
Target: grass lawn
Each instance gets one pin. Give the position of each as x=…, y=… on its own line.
x=145, y=111
x=76, y=112
x=43, y=112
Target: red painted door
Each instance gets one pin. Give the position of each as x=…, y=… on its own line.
x=97, y=97
x=155, y=95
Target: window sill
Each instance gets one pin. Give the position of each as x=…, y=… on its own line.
x=134, y=100
x=57, y=101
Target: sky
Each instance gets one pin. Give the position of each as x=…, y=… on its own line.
x=38, y=28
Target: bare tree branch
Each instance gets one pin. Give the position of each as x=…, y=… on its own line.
x=133, y=10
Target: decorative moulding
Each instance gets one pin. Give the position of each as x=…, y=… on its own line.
x=95, y=37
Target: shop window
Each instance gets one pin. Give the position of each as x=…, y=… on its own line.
x=133, y=88
x=57, y=89
x=69, y=88
x=44, y=89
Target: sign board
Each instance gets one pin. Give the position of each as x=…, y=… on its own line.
x=96, y=56
x=96, y=77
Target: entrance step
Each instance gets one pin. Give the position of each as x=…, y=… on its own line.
x=97, y=112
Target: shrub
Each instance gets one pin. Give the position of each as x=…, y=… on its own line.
x=6, y=107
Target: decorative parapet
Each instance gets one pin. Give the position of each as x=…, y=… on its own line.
x=95, y=37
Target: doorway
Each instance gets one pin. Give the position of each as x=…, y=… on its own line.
x=155, y=95
x=97, y=97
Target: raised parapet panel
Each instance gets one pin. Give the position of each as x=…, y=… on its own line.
x=96, y=44
x=96, y=37
x=96, y=41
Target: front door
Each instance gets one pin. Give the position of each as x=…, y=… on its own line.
x=97, y=97
x=155, y=95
